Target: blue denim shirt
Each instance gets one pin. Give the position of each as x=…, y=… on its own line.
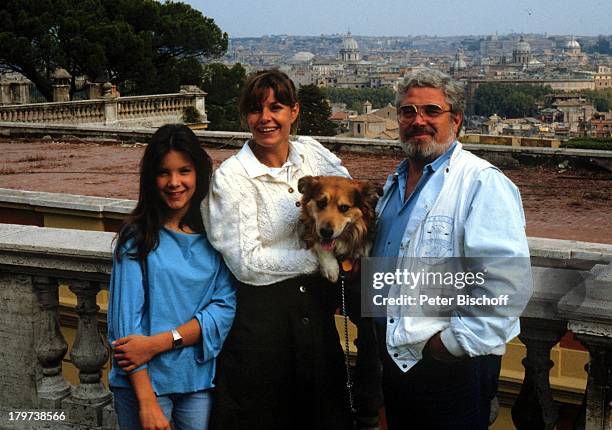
x=397, y=215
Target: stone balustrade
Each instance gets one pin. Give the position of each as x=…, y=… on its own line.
x=146, y=111
x=573, y=290
x=33, y=263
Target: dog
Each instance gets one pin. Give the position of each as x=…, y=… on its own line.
x=337, y=220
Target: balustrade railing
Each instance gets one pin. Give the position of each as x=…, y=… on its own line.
x=152, y=110
x=573, y=290
x=33, y=263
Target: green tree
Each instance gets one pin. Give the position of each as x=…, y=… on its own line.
x=353, y=97
x=223, y=86
x=142, y=46
x=602, y=99
x=508, y=100
x=315, y=112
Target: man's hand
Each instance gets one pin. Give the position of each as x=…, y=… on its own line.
x=134, y=351
x=152, y=417
x=438, y=351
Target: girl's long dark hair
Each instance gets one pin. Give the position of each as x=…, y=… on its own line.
x=143, y=224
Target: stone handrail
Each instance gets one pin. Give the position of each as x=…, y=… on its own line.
x=77, y=112
x=154, y=105
x=149, y=111
x=572, y=282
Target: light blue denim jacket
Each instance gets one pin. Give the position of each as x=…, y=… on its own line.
x=477, y=212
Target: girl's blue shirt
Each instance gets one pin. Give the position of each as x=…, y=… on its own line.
x=187, y=279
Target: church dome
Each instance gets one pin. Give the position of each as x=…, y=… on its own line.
x=459, y=63
x=523, y=46
x=350, y=44
x=573, y=44
x=302, y=57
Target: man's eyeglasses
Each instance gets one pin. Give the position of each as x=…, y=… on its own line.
x=408, y=113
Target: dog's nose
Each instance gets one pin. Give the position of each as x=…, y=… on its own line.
x=326, y=232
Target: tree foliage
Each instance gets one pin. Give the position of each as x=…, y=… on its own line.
x=588, y=143
x=315, y=112
x=602, y=99
x=223, y=86
x=142, y=46
x=510, y=101
x=355, y=97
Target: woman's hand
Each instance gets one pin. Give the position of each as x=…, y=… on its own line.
x=152, y=417
x=133, y=351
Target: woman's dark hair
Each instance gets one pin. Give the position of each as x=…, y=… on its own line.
x=256, y=88
x=150, y=214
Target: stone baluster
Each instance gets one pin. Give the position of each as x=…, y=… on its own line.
x=51, y=346
x=589, y=313
x=89, y=351
x=534, y=407
x=599, y=384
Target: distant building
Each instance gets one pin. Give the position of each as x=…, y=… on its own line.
x=375, y=124
x=603, y=77
x=522, y=52
x=350, y=50
x=459, y=64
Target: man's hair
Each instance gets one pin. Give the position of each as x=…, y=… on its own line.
x=432, y=78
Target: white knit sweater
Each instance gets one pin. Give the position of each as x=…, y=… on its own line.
x=251, y=213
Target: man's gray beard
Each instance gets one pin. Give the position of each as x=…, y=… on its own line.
x=428, y=153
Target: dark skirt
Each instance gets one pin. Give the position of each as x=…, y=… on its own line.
x=282, y=366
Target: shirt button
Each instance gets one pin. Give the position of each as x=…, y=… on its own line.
x=290, y=190
x=305, y=320
x=396, y=355
x=391, y=320
x=404, y=366
x=302, y=289
x=298, y=204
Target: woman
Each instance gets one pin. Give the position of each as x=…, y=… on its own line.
x=171, y=298
x=282, y=365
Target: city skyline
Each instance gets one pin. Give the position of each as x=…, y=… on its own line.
x=240, y=18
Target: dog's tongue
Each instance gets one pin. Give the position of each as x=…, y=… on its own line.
x=328, y=244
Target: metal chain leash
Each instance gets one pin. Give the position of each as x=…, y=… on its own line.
x=347, y=361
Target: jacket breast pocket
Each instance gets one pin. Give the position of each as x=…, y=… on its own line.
x=436, y=242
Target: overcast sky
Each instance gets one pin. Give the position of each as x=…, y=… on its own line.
x=408, y=17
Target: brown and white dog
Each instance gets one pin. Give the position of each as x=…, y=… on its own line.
x=338, y=219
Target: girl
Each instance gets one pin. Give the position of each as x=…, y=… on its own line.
x=171, y=299
x=282, y=367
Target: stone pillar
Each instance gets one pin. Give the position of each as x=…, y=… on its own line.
x=24, y=93
x=111, y=105
x=534, y=407
x=199, y=99
x=61, y=85
x=599, y=384
x=89, y=351
x=5, y=94
x=89, y=403
x=51, y=346
x=94, y=90
x=589, y=311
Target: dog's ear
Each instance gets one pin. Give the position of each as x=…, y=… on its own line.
x=306, y=184
x=369, y=195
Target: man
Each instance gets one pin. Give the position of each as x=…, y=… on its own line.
x=441, y=372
